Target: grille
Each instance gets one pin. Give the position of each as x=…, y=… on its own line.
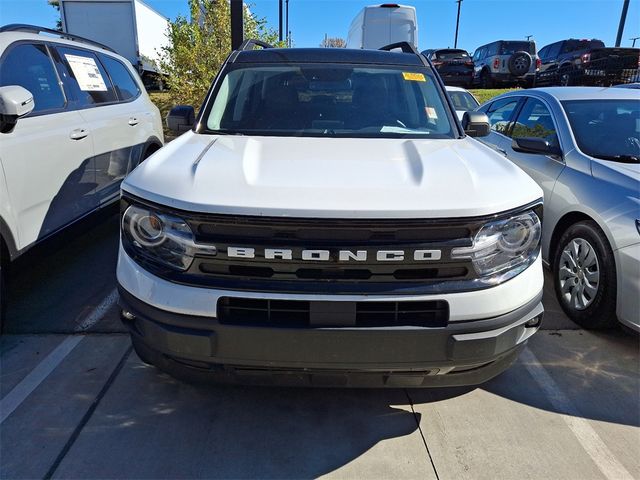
x=262, y=274
x=305, y=314
x=332, y=276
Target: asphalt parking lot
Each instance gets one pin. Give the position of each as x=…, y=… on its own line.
x=76, y=402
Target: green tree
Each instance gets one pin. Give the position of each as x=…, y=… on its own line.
x=56, y=4
x=198, y=46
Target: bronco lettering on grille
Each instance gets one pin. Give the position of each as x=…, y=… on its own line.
x=339, y=255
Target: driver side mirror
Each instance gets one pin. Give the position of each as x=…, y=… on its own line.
x=181, y=118
x=476, y=124
x=15, y=102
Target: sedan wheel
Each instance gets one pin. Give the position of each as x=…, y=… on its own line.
x=585, y=276
x=579, y=274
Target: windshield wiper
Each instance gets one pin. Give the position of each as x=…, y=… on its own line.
x=620, y=158
x=223, y=132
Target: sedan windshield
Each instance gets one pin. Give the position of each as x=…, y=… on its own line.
x=463, y=100
x=607, y=129
x=329, y=100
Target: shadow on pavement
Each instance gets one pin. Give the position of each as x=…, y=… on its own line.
x=170, y=429
x=599, y=372
x=54, y=286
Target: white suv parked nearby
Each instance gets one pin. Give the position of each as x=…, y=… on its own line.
x=326, y=220
x=74, y=120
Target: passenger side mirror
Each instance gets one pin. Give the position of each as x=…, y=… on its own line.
x=15, y=102
x=476, y=124
x=181, y=118
x=535, y=145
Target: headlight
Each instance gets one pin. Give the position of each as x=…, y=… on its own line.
x=160, y=237
x=510, y=244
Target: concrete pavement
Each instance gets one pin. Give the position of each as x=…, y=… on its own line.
x=103, y=414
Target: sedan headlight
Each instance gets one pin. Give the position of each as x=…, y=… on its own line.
x=160, y=237
x=510, y=244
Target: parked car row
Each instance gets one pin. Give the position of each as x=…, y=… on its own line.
x=243, y=221
x=517, y=62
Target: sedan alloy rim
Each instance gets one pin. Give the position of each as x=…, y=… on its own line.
x=579, y=274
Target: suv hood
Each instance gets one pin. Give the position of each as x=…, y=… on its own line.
x=331, y=177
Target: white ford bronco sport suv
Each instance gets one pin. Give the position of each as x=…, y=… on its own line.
x=325, y=220
x=74, y=120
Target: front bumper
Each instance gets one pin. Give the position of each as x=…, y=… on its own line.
x=200, y=348
x=463, y=78
x=628, y=301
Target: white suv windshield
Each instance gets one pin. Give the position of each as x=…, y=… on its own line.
x=329, y=100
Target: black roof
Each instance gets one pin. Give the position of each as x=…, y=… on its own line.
x=327, y=55
x=448, y=50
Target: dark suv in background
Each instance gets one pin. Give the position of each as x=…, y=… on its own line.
x=506, y=62
x=587, y=62
x=455, y=66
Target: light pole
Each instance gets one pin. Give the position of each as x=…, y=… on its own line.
x=634, y=41
x=280, y=20
x=623, y=19
x=236, y=24
x=288, y=33
x=528, y=37
x=455, y=42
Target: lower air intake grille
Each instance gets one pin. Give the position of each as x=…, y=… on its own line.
x=308, y=314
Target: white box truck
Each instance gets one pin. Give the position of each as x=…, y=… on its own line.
x=379, y=25
x=130, y=27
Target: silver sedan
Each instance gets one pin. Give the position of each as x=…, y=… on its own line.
x=582, y=146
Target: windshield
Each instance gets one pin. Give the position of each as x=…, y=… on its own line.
x=329, y=100
x=463, y=101
x=607, y=129
x=449, y=54
x=574, y=45
x=509, y=48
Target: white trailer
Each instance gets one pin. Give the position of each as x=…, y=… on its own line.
x=379, y=25
x=130, y=27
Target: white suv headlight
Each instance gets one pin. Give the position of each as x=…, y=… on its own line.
x=160, y=237
x=510, y=244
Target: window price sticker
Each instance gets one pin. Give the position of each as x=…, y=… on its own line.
x=87, y=73
x=414, y=76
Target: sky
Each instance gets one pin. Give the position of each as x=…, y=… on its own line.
x=481, y=21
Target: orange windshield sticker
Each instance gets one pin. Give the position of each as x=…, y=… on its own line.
x=414, y=77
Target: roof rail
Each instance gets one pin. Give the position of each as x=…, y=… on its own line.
x=20, y=27
x=406, y=47
x=252, y=43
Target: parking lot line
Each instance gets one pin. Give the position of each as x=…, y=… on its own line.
x=97, y=313
x=606, y=462
x=22, y=390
